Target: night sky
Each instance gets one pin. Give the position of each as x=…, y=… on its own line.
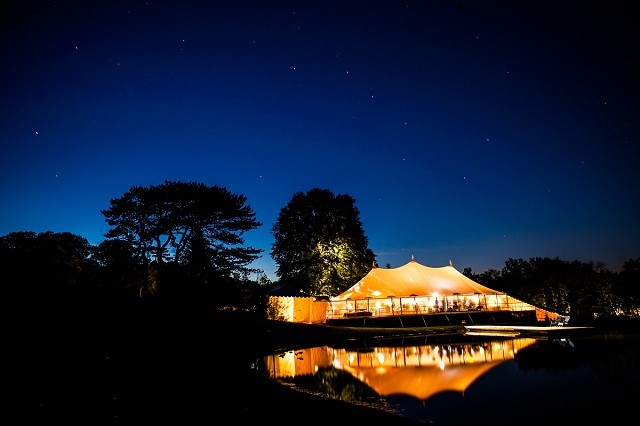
x=469, y=131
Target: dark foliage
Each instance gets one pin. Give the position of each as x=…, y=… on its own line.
x=585, y=290
x=186, y=230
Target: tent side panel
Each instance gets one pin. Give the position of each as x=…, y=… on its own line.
x=301, y=309
x=319, y=311
x=280, y=308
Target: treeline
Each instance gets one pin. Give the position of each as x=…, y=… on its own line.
x=50, y=272
x=182, y=245
x=583, y=289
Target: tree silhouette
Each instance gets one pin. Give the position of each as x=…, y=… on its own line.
x=51, y=271
x=627, y=286
x=185, y=224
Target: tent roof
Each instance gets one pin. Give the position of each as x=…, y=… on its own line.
x=413, y=279
x=286, y=291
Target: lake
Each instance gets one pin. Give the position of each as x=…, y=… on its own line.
x=479, y=379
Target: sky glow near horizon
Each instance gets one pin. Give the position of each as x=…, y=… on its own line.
x=466, y=131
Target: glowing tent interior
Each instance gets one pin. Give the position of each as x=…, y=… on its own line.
x=412, y=293
x=416, y=289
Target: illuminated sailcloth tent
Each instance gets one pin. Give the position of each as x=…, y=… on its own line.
x=416, y=289
x=287, y=304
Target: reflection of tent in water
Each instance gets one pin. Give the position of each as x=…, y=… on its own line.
x=421, y=382
x=423, y=371
x=303, y=362
x=419, y=371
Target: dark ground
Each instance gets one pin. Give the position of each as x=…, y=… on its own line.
x=158, y=366
x=150, y=365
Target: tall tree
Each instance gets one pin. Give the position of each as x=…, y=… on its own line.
x=178, y=222
x=320, y=246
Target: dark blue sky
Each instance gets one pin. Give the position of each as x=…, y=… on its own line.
x=467, y=131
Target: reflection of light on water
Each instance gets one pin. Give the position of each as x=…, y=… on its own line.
x=418, y=370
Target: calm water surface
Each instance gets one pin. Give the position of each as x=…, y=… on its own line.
x=478, y=379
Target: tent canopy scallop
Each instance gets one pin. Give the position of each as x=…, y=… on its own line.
x=412, y=279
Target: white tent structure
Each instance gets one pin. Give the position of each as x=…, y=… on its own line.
x=412, y=279
x=415, y=289
x=287, y=304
